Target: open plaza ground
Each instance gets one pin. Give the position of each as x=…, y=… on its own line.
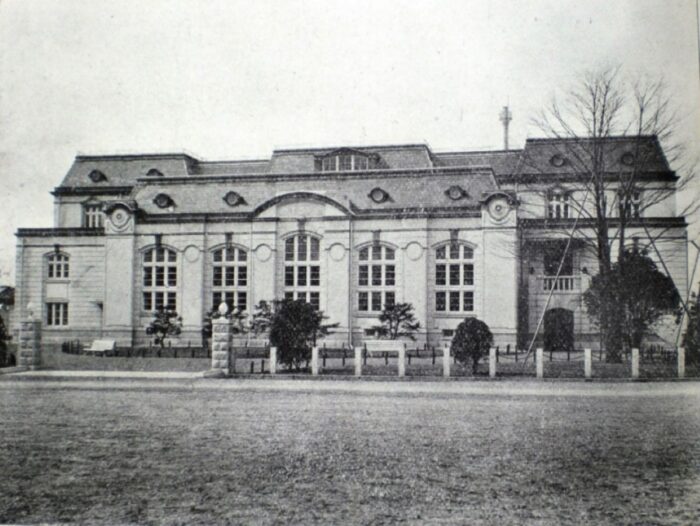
x=198, y=451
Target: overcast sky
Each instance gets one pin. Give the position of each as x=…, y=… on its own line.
x=227, y=79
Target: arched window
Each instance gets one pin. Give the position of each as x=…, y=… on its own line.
x=302, y=269
x=230, y=277
x=58, y=266
x=454, y=278
x=159, y=279
x=376, y=278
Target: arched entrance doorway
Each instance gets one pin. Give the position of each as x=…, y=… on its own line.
x=558, y=330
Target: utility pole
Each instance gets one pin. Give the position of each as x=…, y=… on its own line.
x=506, y=116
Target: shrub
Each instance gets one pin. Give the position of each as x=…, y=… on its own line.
x=295, y=326
x=165, y=323
x=472, y=341
x=397, y=320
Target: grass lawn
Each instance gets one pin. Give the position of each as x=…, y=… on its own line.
x=183, y=456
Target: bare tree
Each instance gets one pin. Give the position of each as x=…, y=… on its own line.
x=615, y=149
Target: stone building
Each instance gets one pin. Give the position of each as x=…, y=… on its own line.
x=347, y=229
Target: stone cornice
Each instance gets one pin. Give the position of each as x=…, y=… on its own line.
x=60, y=232
x=92, y=190
x=652, y=222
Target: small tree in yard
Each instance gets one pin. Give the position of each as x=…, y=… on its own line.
x=295, y=326
x=4, y=355
x=165, y=323
x=472, y=341
x=639, y=291
x=397, y=320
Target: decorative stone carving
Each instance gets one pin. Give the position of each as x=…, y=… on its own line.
x=234, y=199
x=378, y=195
x=337, y=252
x=414, y=251
x=263, y=252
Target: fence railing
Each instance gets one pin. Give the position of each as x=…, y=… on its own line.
x=561, y=283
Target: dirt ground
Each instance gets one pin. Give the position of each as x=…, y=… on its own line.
x=213, y=456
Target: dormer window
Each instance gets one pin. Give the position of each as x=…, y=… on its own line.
x=153, y=172
x=345, y=161
x=97, y=177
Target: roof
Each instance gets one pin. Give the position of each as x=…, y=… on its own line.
x=111, y=174
x=416, y=190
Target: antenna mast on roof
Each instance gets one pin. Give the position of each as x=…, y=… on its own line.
x=506, y=116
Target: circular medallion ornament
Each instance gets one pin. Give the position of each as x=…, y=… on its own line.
x=191, y=254
x=263, y=252
x=163, y=201
x=414, y=251
x=234, y=199
x=337, y=252
x=119, y=218
x=97, y=177
x=498, y=209
x=627, y=158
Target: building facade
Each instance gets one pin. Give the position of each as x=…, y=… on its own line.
x=349, y=230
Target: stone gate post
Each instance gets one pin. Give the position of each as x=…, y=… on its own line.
x=221, y=341
x=446, y=360
x=539, y=362
x=29, y=349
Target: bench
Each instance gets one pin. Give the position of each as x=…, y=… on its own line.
x=383, y=346
x=101, y=347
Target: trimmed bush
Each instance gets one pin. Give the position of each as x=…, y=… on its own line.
x=471, y=342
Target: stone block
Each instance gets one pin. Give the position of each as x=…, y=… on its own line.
x=402, y=361
x=492, y=362
x=681, y=362
x=539, y=362
x=587, y=363
x=446, y=360
x=635, y=363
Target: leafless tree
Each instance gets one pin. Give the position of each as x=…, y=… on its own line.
x=614, y=139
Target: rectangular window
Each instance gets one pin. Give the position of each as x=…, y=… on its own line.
x=289, y=295
x=454, y=301
x=147, y=276
x=301, y=276
x=160, y=276
x=242, y=276
x=363, y=301
x=57, y=314
x=468, y=274
x=390, y=299
x=289, y=249
x=92, y=216
x=301, y=248
x=230, y=276
x=468, y=300
x=376, y=275
x=315, y=279
x=172, y=276
x=376, y=301
x=288, y=276
x=389, y=275
x=440, y=253
x=440, y=301
x=363, y=276
x=315, y=300
x=454, y=274
x=147, y=301
x=242, y=300
x=440, y=275
x=171, y=303
x=345, y=162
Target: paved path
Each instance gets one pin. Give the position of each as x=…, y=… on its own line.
x=120, y=380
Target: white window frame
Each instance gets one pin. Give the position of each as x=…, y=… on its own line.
x=58, y=266
x=302, y=267
x=376, y=278
x=57, y=314
x=558, y=204
x=229, y=277
x=92, y=215
x=335, y=162
x=159, y=293
x=454, y=279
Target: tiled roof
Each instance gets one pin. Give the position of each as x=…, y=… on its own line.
x=502, y=162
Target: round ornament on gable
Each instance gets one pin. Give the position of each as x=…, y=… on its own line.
x=119, y=218
x=378, y=195
x=414, y=251
x=498, y=209
x=337, y=252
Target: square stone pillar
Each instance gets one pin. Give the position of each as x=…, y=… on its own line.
x=587, y=363
x=273, y=360
x=492, y=362
x=635, y=363
x=539, y=362
x=446, y=360
x=221, y=345
x=358, y=361
x=402, y=361
x=681, y=362
x=29, y=349
x=314, y=361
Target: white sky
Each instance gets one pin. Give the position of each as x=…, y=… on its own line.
x=229, y=79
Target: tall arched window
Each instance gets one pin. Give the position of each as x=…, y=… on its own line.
x=159, y=279
x=302, y=269
x=58, y=266
x=376, y=278
x=454, y=278
x=230, y=277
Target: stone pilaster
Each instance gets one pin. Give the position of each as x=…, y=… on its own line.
x=29, y=351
